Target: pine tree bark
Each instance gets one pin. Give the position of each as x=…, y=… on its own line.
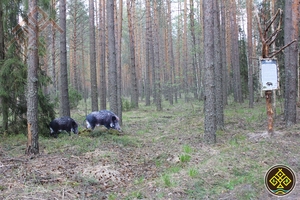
x=235, y=58
x=156, y=48
x=3, y=99
x=291, y=24
x=185, y=54
x=74, y=43
x=2, y=52
x=102, y=32
x=209, y=80
x=32, y=80
x=224, y=54
x=194, y=51
x=218, y=68
x=94, y=91
x=134, y=86
x=148, y=60
x=53, y=61
x=249, y=41
x=112, y=67
x=171, y=54
x=119, y=58
x=64, y=109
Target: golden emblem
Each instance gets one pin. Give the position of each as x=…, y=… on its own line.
x=280, y=180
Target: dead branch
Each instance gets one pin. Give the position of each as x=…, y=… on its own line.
x=279, y=11
x=281, y=49
x=14, y=160
x=260, y=29
x=273, y=36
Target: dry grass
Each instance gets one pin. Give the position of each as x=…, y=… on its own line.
x=160, y=156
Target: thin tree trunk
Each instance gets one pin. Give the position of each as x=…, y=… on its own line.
x=185, y=54
x=32, y=81
x=235, y=58
x=209, y=82
x=201, y=51
x=291, y=22
x=250, y=65
x=134, y=87
x=156, y=55
x=171, y=54
x=103, y=92
x=112, y=65
x=64, y=92
x=3, y=99
x=74, y=40
x=53, y=59
x=94, y=92
x=218, y=68
x=148, y=60
x=119, y=50
x=194, y=52
x=85, y=90
x=224, y=54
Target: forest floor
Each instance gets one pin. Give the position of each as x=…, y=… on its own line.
x=160, y=155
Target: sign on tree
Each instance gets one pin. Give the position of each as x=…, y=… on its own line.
x=269, y=74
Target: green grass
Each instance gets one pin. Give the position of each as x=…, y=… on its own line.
x=193, y=173
x=184, y=158
x=164, y=152
x=167, y=180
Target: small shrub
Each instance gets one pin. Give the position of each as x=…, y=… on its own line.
x=126, y=105
x=74, y=97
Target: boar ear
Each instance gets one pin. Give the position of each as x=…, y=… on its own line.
x=114, y=118
x=74, y=123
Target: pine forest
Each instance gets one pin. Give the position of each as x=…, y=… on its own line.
x=197, y=98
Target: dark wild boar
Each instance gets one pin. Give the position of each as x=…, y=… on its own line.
x=103, y=117
x=63, y=124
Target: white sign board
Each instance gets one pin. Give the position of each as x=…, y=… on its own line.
x=269, y=74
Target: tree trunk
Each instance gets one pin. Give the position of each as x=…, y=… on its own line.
x=235, y=58
x=194, y=51
x=200, y=37
x=74, y=44
x=64, y=109
x=171, y=54
x=94, y=92
x=291, y=21
x=83, y=74
x=218, y=68
x=223, y=54
x=148, y=60
x=119, y=58
x=103, y=92
x=185, y=54
x=112, y=67
x=250, y=65
x=134, y=87
x=53, y=61
x=3, y=99
x=209, y=80
x=156, y=59
x=32, y=80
